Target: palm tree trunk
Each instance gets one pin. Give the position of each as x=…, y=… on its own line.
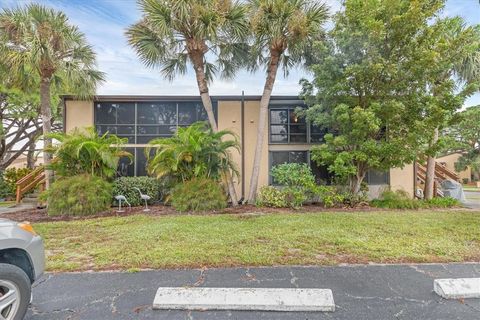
x=46, y=113
x=262, y=123
x=198, y=65
x=430, y=174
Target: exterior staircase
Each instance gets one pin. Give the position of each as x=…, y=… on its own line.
x=441, y=174
x=34, y=181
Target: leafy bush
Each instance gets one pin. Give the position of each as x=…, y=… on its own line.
x=298, y=183
x=446, y=202
x=330, y=197
x=269, y=196
x=199, y=194
x=465, y=180
x=148, y=185
x=78, y=195
x=12, y=175
x=84, y=151
x=5, y=189
x=193, y=152
x=396, y=200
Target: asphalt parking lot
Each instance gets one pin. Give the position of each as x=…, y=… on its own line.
x=360, y=292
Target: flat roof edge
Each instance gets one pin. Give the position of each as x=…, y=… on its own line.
x=177, y=97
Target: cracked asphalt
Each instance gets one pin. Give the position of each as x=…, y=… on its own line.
x=360, y=292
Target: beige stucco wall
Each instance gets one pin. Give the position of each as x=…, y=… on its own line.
x=78, y=114
x=403, y=179
x=450, y=160
x=230, y=118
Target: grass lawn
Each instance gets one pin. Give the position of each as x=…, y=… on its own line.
x=471, y=188
x=6, y=203
x=142, y=241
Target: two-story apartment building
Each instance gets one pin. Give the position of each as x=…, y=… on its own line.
x=142, y=118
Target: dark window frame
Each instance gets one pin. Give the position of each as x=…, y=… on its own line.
x=135, y=146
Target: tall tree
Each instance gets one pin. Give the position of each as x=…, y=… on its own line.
x=43, y=41
x=464, y=137
x=282, y=31
x=368, y=88
x=208, y=34
x=452, y=76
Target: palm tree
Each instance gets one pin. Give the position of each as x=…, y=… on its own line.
x=282, y=31
x=43, y=41
x=174, y=33
x=193, y=152
x=85, y=152
x=463, y=61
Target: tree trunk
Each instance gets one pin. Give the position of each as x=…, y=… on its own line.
x=46, y=112
x=31, y=155
x=356, y=182
x=262, y=123
x=430, y=175
x=199, y=67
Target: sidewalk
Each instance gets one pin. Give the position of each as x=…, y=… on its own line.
x=360, y=292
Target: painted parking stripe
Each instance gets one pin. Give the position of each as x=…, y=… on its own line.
x=260, y=299
x=460, y=288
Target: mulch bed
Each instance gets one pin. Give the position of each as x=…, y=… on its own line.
x=40, y=215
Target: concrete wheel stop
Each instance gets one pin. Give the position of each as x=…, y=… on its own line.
x=250, y=299
x=461, y=288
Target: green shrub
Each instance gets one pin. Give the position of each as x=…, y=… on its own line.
x=5, y=190
x=12, y=175
x=148, y=185
x=396, y=200
x=298, y=183
x=78, y=195
x=198, y=194
x=465, y=180
x=269, y=196
x=446, y=202
x=330, y=197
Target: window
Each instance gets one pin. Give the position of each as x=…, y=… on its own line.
x=286, y=127
x=143, y=121
x=375, y=177
x=116, y=118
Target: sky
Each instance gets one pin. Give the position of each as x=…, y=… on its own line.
x=104, y=23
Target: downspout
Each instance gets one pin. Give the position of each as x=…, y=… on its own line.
x=64, y=116
x=243, y=144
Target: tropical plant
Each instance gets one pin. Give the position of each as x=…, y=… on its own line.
x=198, y=194
x=78, y=195
x=83, y=151
x=41, y=42
x=12, y=175
x=282, y=31
x=464, y=137
x=173, y=33
x=193, y=152
x=452, y=76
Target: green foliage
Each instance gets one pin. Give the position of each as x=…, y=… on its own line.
x=148, y=185
x=12, y=175
x=173, y=33
x=193, y=152
x=463, y=136
x=446, y=202
x=78, y=195
x=332, y=198
x=47, y=46
x=270, y=196
x=84, y=151
x=383, y=80
x=5, y=189
x=199, y=194
x=401, y=200
x=286, y=29
x=396, y=200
